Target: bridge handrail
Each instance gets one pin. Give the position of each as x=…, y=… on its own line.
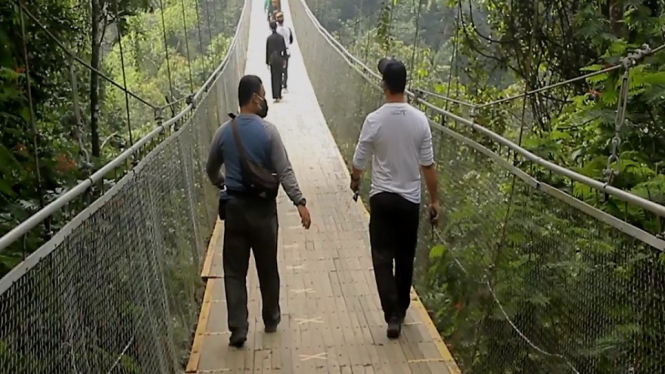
x=33, y=221
x=604, y=187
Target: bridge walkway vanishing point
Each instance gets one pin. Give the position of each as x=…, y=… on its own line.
x=331, y=315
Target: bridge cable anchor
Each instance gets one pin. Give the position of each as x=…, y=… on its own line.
x=191, y=101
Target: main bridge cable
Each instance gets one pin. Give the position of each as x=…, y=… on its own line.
x=78, y=59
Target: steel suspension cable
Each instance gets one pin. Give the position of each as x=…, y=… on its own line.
x=551, y=86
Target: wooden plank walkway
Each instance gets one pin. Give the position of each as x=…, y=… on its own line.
x=331, y=315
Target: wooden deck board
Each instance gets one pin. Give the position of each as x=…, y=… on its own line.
x=331, y=315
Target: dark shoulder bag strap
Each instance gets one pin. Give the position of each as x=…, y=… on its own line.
x=241, y=149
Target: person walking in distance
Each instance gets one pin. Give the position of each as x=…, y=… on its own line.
x=272, y=6
x=276, y=60
x=287, y=33
x=398, y=138
x=256, y=164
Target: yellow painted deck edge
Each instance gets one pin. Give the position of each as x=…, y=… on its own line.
x=210, y=252
x=199, y=336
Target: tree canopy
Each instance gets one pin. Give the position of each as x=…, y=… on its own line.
x=64, y=68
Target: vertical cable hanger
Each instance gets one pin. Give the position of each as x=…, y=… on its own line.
x=415, y=44
x=124, y=74
x=369, y=36
x=207, y=10
x=33, y=122
x=189, y=58
x=198, y=26
x=83, y=152
x=530, y=69
x=453, y=61
x=359, y=14
x=166, y=51
x=389, y=35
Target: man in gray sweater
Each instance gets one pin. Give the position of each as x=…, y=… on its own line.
x=251, y=220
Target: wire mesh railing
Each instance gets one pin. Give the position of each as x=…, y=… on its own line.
x=520, y=277
x=117, y=289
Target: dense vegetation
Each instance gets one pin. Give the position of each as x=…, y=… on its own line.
x=519, y=281
x=67, y=118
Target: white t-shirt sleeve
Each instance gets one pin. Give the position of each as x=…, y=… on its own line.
x=426, y=150
x=364, y=147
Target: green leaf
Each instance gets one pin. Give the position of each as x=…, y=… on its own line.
x=5, y=188
x=592, y=68
x=24, y=112
x=437, y=252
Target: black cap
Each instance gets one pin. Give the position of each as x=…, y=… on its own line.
x=394, y=73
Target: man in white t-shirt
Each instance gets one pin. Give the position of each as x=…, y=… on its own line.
x=288, y=39
x=398, y=139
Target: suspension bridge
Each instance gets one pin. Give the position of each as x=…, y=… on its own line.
x=134, y=283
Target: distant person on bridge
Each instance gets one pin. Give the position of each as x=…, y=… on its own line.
x=287, y=33
x=272, y=6
x=256, y=163
x=276, y=60
x=397, y=137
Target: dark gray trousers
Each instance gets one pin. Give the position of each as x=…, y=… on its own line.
x=251, y=222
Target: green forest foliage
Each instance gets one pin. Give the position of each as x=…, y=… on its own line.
x=164, y=50
x=517, y=280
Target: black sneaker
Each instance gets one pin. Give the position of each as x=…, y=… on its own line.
x=394, y=328
x=272, y=326
x=237, y=340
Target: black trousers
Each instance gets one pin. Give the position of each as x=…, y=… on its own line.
x=276, y=70
x=285, y=73
x=251, y=222
x=393, y=233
